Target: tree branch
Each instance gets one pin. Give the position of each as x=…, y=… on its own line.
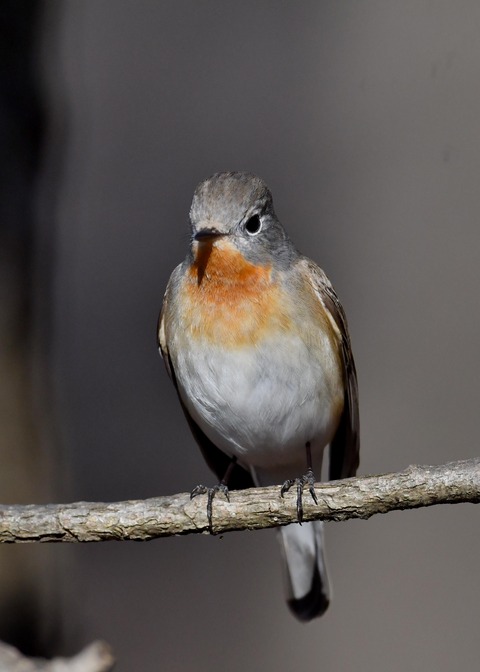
x=96, y=657
x=141, y=520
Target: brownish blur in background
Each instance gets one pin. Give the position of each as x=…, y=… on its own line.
x=364, y=119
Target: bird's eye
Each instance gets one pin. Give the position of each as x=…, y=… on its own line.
x=253, y=225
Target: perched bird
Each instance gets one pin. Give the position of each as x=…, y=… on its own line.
x=256, y=343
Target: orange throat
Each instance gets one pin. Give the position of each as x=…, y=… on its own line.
x=229, y=300
x=221, y=264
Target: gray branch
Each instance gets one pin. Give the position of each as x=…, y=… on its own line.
x=141, y=520
x=97, y=657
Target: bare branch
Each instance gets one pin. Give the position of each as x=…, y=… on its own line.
x=141, y=520
x=96, y=657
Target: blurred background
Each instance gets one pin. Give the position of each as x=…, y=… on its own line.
x=364, y=119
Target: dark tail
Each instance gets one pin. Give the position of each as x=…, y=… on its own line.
x=305, y=571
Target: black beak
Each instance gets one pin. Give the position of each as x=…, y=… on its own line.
x=207, y=234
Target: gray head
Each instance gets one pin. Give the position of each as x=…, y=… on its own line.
x=239, y=205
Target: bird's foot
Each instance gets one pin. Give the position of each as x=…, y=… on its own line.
x=210, y=492
x=307, y=479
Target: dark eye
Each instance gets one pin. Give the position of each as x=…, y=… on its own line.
x=253, y=225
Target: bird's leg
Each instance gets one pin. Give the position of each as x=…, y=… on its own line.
x=309, y=476
x=211, y=492
x=308, y=479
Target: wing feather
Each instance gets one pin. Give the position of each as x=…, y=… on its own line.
x=345, y=446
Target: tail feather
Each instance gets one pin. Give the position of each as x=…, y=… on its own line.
x=305, y=571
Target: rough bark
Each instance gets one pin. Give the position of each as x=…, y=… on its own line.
x=141, y=520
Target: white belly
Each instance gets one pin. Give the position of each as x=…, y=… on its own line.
x=263, y=404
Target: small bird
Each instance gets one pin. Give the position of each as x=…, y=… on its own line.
x=256, y=343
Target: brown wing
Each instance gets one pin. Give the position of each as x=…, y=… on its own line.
x=345, y=446
x=216, y=459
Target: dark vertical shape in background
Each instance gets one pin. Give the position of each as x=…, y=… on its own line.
x=23, y=475
x=21, y=136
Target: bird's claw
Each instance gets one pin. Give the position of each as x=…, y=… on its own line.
x=210, y=492
x=307, y=479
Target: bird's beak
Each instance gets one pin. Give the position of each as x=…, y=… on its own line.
x=209, y=234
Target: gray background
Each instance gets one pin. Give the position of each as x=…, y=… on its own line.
x=364, y=119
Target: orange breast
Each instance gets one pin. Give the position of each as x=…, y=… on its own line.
x=230, y=301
